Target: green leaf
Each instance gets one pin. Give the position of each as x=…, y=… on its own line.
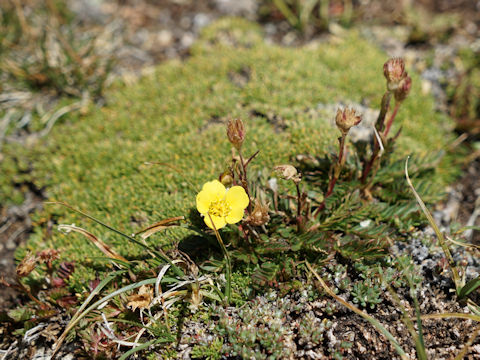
x=469, y=287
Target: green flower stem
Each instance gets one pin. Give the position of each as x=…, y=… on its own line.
x=228, y=274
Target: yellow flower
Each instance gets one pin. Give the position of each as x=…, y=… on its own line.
x=224, y=206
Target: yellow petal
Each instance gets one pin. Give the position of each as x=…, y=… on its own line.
x=214, y=189
x=235, y=215
x=218, y=221
x=203, y=202
x=237, y=198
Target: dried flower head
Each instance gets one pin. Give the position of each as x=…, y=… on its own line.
x=27, y=265
x=288, y=172
x=142, y=299
x=47, y=256
x=346, y=119
x=259, y=214
x=236, y=132
x=394, y=71
x=403, y=89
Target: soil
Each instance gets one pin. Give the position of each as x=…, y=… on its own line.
x=15, y=226
x=469, y=200
x=153, y=31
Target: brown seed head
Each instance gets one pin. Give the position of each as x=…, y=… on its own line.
x=27, y=265
x=236, y=132
x=259, y=214
x=346, y=119
x=394, y=71
x=142, y=299
x=287, y=172
x=47, y=256
x=403, y=89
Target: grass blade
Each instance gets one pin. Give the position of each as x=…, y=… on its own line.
x=440, y=237
x=469, y=287
x=138, y=348
x=107, y=250
x=452, y=315
x=74, y=320
x=157, y=253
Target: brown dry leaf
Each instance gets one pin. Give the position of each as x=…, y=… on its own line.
x=158, y=226
x=142, y=299
x=27, y=265
x=107, y=250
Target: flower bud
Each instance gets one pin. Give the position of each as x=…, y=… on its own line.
x=236, y=132
x=394, y=71
x=403, y=89
x=259, y=215
x=226, y=178
x=346, y=119
x=287, y=172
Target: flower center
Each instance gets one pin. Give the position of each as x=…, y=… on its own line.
x=219, y=208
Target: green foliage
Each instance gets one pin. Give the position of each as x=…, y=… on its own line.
x=209, y=351
x=311, y=330
x=366, y=293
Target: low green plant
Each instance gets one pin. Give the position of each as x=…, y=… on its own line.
x=209, y=351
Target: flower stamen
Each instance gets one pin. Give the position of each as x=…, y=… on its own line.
x=219, y=208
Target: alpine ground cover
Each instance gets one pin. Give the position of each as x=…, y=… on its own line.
x=145, y=156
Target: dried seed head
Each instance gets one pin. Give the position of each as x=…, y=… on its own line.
x=259, y=214
x=287, y=172
x=47, y=256
x=403, y=89
x=346, y=119
x=142, y=299
x=27, y=265
x=394, y=71
x=236, y=132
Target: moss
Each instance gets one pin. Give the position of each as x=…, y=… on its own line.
x=95, y=162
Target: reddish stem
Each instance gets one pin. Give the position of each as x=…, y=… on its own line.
x=336, y=172
x=244, y=181
x=390, y=121
x=369, y=165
